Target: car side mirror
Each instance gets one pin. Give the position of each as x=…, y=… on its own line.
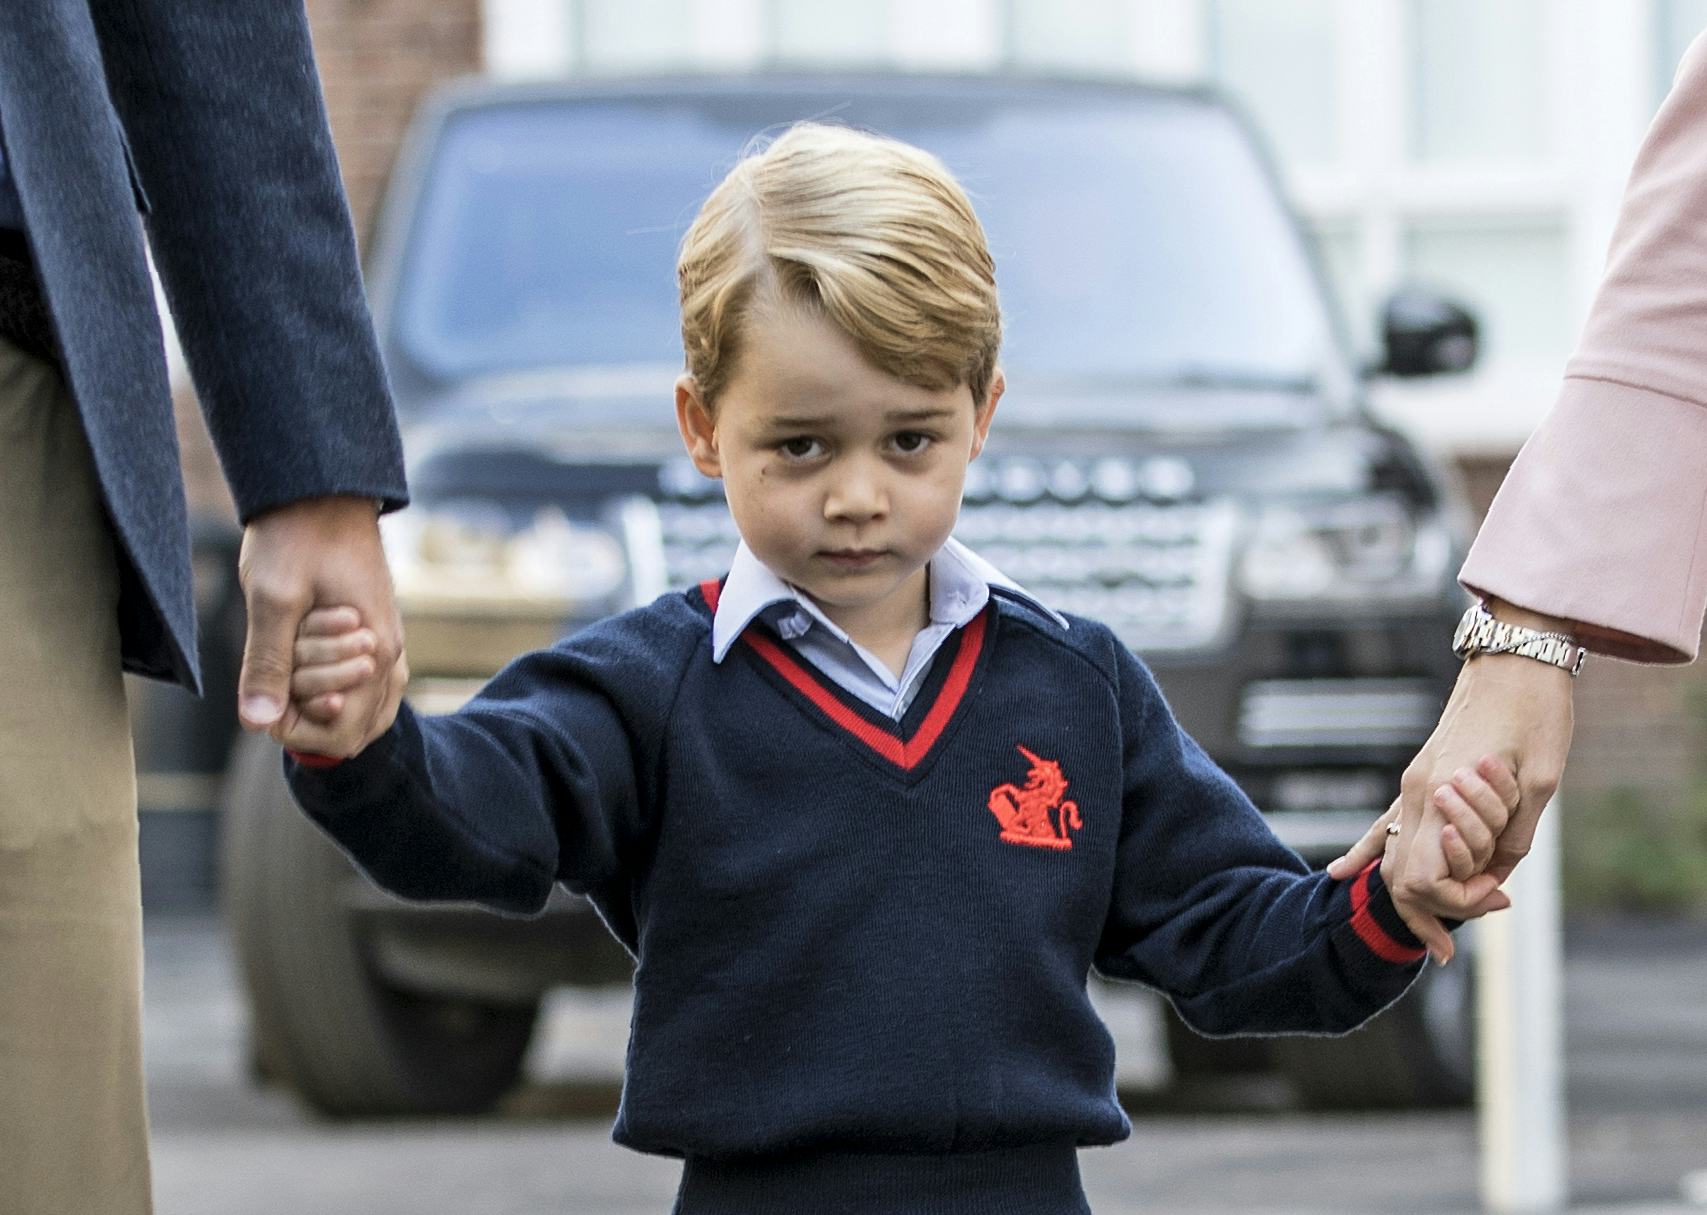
x=1425, y=333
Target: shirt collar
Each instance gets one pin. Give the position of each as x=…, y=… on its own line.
x=958, y=565
x=750, y=588
x=960, y=584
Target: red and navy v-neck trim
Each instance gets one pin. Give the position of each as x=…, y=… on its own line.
x=944, y=692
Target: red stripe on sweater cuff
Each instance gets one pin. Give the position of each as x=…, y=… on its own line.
x=1371, y=933
x=308, y=759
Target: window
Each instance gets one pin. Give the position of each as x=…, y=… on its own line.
x=1676, y=23
x=1093, y=35
x=810, y=30
x=1280, y=61
x=1478, y=90
x=617, y=34
x=1138, y=245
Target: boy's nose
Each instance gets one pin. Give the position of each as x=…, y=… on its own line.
x=856, y=496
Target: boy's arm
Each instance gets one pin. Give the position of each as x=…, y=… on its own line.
x=541, y=778
x=1211, y=909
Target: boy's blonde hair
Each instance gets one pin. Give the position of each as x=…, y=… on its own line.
x=871, y=233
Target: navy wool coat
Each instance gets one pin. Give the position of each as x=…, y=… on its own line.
x=206, y=119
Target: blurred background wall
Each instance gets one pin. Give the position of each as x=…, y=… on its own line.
x=1480, y=146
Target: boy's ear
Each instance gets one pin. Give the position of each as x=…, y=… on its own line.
x=986, y=410
x=698, y=427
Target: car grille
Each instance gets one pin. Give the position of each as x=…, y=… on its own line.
x=1339, y=712
x=1156, y=572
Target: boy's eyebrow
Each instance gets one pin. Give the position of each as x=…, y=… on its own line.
x=809, y=421
x=930, y=414
x=795, y=421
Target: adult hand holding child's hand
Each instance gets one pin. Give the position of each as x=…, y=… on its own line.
x=296, y=558
x=1508, y=723
x=334, y=659
x=1470, y=812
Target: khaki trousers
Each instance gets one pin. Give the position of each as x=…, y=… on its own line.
x=73, y=1127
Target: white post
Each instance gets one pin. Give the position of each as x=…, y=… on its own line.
x=1521, y=1101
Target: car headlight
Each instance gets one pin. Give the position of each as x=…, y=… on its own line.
x=1370, y=549
x=471, y=559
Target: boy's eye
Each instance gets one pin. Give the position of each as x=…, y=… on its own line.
x=800, y=448
x=911, y=442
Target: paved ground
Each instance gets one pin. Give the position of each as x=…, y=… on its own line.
x=1636, y=1033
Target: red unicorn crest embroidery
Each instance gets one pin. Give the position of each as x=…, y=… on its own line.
x=1036, y=815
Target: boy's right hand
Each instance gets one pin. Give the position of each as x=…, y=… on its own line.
x=333, y=656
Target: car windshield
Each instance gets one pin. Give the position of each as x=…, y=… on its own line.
x=1138, y=243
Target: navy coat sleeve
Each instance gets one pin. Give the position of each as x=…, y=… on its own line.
x=1214, y=911
x=547, y=775
x=251, y=234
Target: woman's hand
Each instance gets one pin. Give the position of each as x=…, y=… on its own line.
x=1505, y=708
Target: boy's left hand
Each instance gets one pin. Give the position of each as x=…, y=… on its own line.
x=1476, y=804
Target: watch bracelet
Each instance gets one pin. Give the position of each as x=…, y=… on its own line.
x=1537, y=647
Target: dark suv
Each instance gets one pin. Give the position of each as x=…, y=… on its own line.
x=1183, y=452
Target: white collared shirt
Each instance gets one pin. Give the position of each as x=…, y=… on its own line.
x=959, y=581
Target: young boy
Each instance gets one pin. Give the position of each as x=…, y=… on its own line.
x=866, y=812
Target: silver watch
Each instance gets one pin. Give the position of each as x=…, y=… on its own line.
x=1480, y=632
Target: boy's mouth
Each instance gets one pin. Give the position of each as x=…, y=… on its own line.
x=851, y=558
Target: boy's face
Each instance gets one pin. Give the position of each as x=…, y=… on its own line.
x=842, y=479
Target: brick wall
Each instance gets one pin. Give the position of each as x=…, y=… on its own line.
x=377, y=59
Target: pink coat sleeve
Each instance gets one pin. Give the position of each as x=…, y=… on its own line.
x=1603, y=517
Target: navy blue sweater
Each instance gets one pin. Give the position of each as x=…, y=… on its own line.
x=856, y=935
